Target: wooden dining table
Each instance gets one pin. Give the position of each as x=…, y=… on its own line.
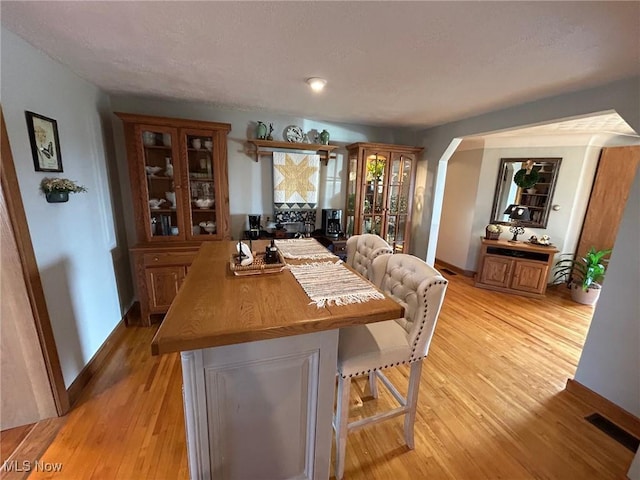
x=258, y=364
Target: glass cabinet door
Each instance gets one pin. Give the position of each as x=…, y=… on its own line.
x=399, y=191
x=163, y=210
x=352, y=193
x=374, y=199
x=201, y=170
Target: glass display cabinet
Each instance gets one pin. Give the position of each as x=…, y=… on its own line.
x=380, y=185
x=179, y=183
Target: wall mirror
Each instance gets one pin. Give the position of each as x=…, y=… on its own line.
x=529, y=182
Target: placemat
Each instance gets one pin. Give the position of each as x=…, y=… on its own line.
x=327, y=283
x=303, y=248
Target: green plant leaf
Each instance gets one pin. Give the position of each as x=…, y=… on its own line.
x=586, y=271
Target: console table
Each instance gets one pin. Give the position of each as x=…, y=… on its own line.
x=514, y=267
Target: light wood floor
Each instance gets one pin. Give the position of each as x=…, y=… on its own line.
x=491, y=406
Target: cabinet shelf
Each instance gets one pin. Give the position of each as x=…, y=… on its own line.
x=162, y=210
x=204, y=179
x=157, y=147
x=323, y=150
x=159, y=177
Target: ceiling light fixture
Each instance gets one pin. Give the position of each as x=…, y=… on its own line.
x=316, y=83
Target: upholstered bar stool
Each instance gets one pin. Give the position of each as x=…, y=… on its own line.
x=363, y=249
x=367, y=349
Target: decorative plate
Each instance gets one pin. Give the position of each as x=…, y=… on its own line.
x=294, y=134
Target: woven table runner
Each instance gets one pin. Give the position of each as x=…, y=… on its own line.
x=303, y=248
x=327, y=283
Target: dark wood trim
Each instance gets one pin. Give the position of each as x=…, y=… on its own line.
x=466, y=273
x=99, y=359
x=386, y=147
x=606, y=408
x=171, y=122
x=32, y=280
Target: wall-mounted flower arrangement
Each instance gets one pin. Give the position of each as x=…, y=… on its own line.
x=57, y=190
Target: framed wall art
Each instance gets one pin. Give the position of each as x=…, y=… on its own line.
x=45, y=144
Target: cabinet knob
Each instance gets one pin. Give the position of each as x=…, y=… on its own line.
x=155, y=259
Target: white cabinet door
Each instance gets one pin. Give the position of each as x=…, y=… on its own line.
x=261, y=410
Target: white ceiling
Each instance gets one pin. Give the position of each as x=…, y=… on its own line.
x=604, y=123
x=413, y=64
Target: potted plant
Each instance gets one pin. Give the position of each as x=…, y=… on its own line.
x=585, y=275
x=57, y=190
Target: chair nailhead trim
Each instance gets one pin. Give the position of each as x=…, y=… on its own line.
x=415, y=343
x=357, y=374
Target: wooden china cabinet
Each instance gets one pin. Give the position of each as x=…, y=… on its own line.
x=380, y=184
x=179, y=183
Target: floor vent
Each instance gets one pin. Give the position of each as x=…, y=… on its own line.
x=450, y=272
x=618, y=434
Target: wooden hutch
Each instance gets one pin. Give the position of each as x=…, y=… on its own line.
x=179, y=183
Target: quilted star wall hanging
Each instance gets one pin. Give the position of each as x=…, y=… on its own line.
x=295, y=180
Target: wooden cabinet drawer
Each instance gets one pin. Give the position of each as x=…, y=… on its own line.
x=168, y=258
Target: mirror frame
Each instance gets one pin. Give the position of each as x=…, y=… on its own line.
x=496, y=211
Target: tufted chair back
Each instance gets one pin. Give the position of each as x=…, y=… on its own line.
x=362, y=249
x=419, y=288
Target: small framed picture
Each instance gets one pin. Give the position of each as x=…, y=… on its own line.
x=45, y=144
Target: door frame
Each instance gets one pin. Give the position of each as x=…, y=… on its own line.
x=42, y=321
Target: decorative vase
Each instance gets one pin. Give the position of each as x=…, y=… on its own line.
x=261, y=131
x=171, y=196
x=57, y=197
x=324, y=137
x=166, y=139
x=168, y=169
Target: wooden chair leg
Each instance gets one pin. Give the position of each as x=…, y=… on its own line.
x=373, y=385
x=412, y=402
x=342, y=419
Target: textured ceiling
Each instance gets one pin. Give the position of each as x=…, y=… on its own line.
x=387, y=63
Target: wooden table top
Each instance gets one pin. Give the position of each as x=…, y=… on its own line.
x=214, y=307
